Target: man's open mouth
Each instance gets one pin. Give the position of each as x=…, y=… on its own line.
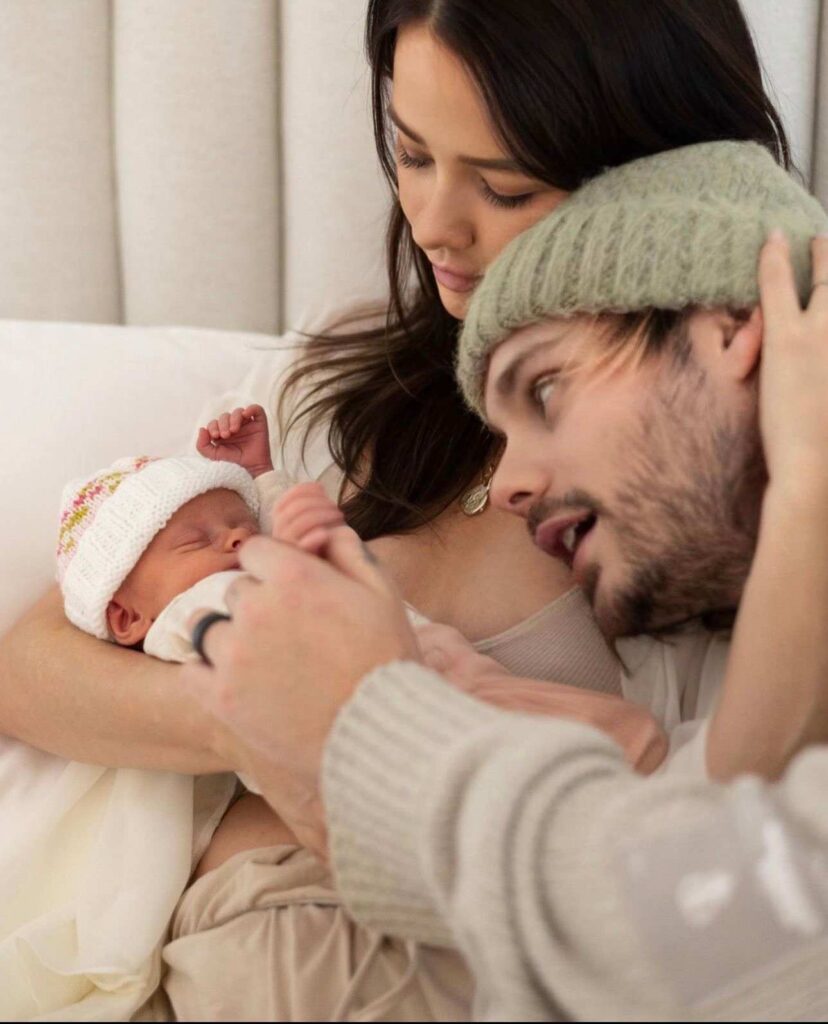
x=561, y=536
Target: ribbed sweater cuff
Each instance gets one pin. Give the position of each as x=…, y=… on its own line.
x=381, y=761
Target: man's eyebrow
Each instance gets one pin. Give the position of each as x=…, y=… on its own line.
x=505, y=383
x=494, y=164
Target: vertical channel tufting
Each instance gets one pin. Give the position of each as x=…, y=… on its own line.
x=820, y=132
x=279, y=152
x=786, y=37
x=334, y=199
x=58, y=260
x=196, y=151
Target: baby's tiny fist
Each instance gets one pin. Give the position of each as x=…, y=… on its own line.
x=303, y=514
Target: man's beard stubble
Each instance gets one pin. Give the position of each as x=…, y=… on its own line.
x=686, y=516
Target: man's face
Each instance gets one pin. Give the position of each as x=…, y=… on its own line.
x=645, y=476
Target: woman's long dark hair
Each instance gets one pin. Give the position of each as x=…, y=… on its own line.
x=572, y=87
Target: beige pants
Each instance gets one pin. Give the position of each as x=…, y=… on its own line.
x=264, y=937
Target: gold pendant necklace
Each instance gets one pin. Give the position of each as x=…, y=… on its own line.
x=475, y=500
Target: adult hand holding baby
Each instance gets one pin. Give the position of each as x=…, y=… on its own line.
x=289, y=660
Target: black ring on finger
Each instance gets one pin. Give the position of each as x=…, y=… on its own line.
x=200, y=631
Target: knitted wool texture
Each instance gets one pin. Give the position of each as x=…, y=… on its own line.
x=682, y=228
x=108, y=520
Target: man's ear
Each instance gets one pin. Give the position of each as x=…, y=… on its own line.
x=127, y=625
x=743, y=346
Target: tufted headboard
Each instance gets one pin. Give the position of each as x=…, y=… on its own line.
x=210, y=162
x=201, y=162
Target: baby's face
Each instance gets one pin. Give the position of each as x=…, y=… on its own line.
x=203, y=537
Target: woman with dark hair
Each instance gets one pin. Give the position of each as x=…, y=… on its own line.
x=486, y=115
x=565, y=88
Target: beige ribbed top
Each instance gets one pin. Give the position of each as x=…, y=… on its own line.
x=560, y=643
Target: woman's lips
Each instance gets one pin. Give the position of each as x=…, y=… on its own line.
x=454, y=282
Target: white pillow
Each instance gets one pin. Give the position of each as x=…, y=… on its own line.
x=74, y=397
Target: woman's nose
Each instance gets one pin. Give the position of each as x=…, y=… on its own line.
x=519, y=481
x=441, y=223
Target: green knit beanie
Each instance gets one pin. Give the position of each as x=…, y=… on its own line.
x=682, y=228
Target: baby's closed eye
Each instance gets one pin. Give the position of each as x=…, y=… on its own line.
x=190, y=541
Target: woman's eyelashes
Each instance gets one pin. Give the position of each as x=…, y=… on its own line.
x=415, y=163
x=408, y=160
x=508, y=202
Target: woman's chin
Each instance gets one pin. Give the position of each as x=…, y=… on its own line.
x=456, y=304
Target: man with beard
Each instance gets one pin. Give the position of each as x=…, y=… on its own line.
x=616, y=346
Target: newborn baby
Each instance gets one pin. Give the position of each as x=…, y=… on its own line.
x=99, y=856
x=147, y=541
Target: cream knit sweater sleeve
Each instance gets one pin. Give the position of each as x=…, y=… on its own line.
x=576, y=889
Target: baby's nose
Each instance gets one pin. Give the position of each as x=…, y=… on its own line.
x=236, y=537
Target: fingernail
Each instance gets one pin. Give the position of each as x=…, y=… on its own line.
x=777, y=235
x=821, y=234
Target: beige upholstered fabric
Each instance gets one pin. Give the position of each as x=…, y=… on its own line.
x=59, y=258
x=145, y=175
x=195, y=103
x=210, y=162
x=785, y=32
x=334, y=199
x=820, y=139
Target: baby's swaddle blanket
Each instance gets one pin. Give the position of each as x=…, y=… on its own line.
x=93, y=861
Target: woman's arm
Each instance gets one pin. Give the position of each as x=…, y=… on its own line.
x=72, y=695
x=775, y=697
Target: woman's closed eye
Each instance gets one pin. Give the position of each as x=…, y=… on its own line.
x=499, y=199
x=409, y=160
x=504, y=201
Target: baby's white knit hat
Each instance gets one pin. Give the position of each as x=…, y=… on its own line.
x=108, y=520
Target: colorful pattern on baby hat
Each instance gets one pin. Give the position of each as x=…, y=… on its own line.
x=108, y=520
x=79, y=514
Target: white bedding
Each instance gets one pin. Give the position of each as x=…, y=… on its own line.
x=93, y=860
